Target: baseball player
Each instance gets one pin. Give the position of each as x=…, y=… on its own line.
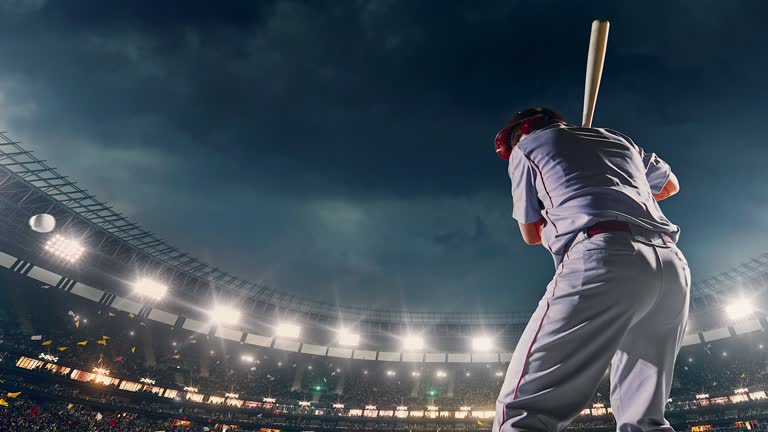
x=620, y=293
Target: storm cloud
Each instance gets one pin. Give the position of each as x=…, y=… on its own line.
x=341, y=150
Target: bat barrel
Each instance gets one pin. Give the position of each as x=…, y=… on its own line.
x=598, y=41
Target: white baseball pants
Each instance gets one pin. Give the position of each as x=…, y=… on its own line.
x=618, y=299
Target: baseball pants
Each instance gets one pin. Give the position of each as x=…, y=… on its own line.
x=618, y=299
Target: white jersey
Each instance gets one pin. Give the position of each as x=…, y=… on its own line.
x=574, y=177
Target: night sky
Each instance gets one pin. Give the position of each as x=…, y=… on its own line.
x=342, y=150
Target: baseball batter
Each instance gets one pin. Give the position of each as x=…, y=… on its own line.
x=620, y=293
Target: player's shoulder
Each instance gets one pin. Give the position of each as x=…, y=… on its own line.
x=618, y=134
x=540, y=138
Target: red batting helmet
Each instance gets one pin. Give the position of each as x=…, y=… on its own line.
x=523, y=123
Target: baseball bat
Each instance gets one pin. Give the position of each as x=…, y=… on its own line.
x=598, y=41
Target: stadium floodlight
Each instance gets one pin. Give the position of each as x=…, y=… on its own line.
x=101, y=371
x=598, y=405
x=288, y=330
x=65, y=248
x=347, y=338
x=702, y=396
x=465, y=408
x=402, y=408
x=415, y=373
x=150, y=288
x=390, y=373
x=190, y=389
x=304, y=403
x=431, y=408
x=269, y=400
x=741, y=390
x=413, y=343
x=149, y=381
x=338, y=406
x=224, y=314
x=370, y=407
x=48, y=357
x=499, y=373
x=232, y=395
x=246, y=358
x=739, y=309
x=482, y=343
x=441, y=374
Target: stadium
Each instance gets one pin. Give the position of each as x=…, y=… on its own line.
x=315, y=216
x=104, y=323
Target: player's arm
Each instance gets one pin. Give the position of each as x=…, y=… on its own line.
x=527, y=207
x=671, y=187
x=661, y=179
x=531, y=232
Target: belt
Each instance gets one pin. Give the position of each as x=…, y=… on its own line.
x=607, y=227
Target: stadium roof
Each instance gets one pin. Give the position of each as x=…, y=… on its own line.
x=29, y=186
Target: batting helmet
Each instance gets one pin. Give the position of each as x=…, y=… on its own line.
x=523, y=123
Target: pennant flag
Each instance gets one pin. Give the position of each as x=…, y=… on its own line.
x=34, y=411
x=133, y=350
x=105, y=337
x=48, y=342
x=62, y=349
x=69, y=406
x=111, y=314
x=742, y=376
x=85, y=342
x=479, y=423
x=130, y=315
x=117, y=359
x=37, y=337
x=13, y=395
x=101, y=342
x=193, y=341
x=3, y=403
x=177, y=356
x=112, y=422
x=99, y=416
x=70, y=313
x=77, y=324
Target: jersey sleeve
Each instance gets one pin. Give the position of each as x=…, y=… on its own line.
x=657, y=172
x=526, y=207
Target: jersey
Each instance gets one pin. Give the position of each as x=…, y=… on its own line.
x=574, y=177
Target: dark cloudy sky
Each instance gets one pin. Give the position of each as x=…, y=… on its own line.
x=342, y=150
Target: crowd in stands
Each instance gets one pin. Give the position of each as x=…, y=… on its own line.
x=27, y=415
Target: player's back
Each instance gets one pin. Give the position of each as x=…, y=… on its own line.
x=586, y=175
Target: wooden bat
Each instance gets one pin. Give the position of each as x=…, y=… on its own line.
x=598, y=41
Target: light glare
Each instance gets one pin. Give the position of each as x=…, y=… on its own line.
x=482, y=343
x=224, y=314
x=413, y=343
x=288, y=330
x=150, y=288
x=347, y=338
x=739, y=309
